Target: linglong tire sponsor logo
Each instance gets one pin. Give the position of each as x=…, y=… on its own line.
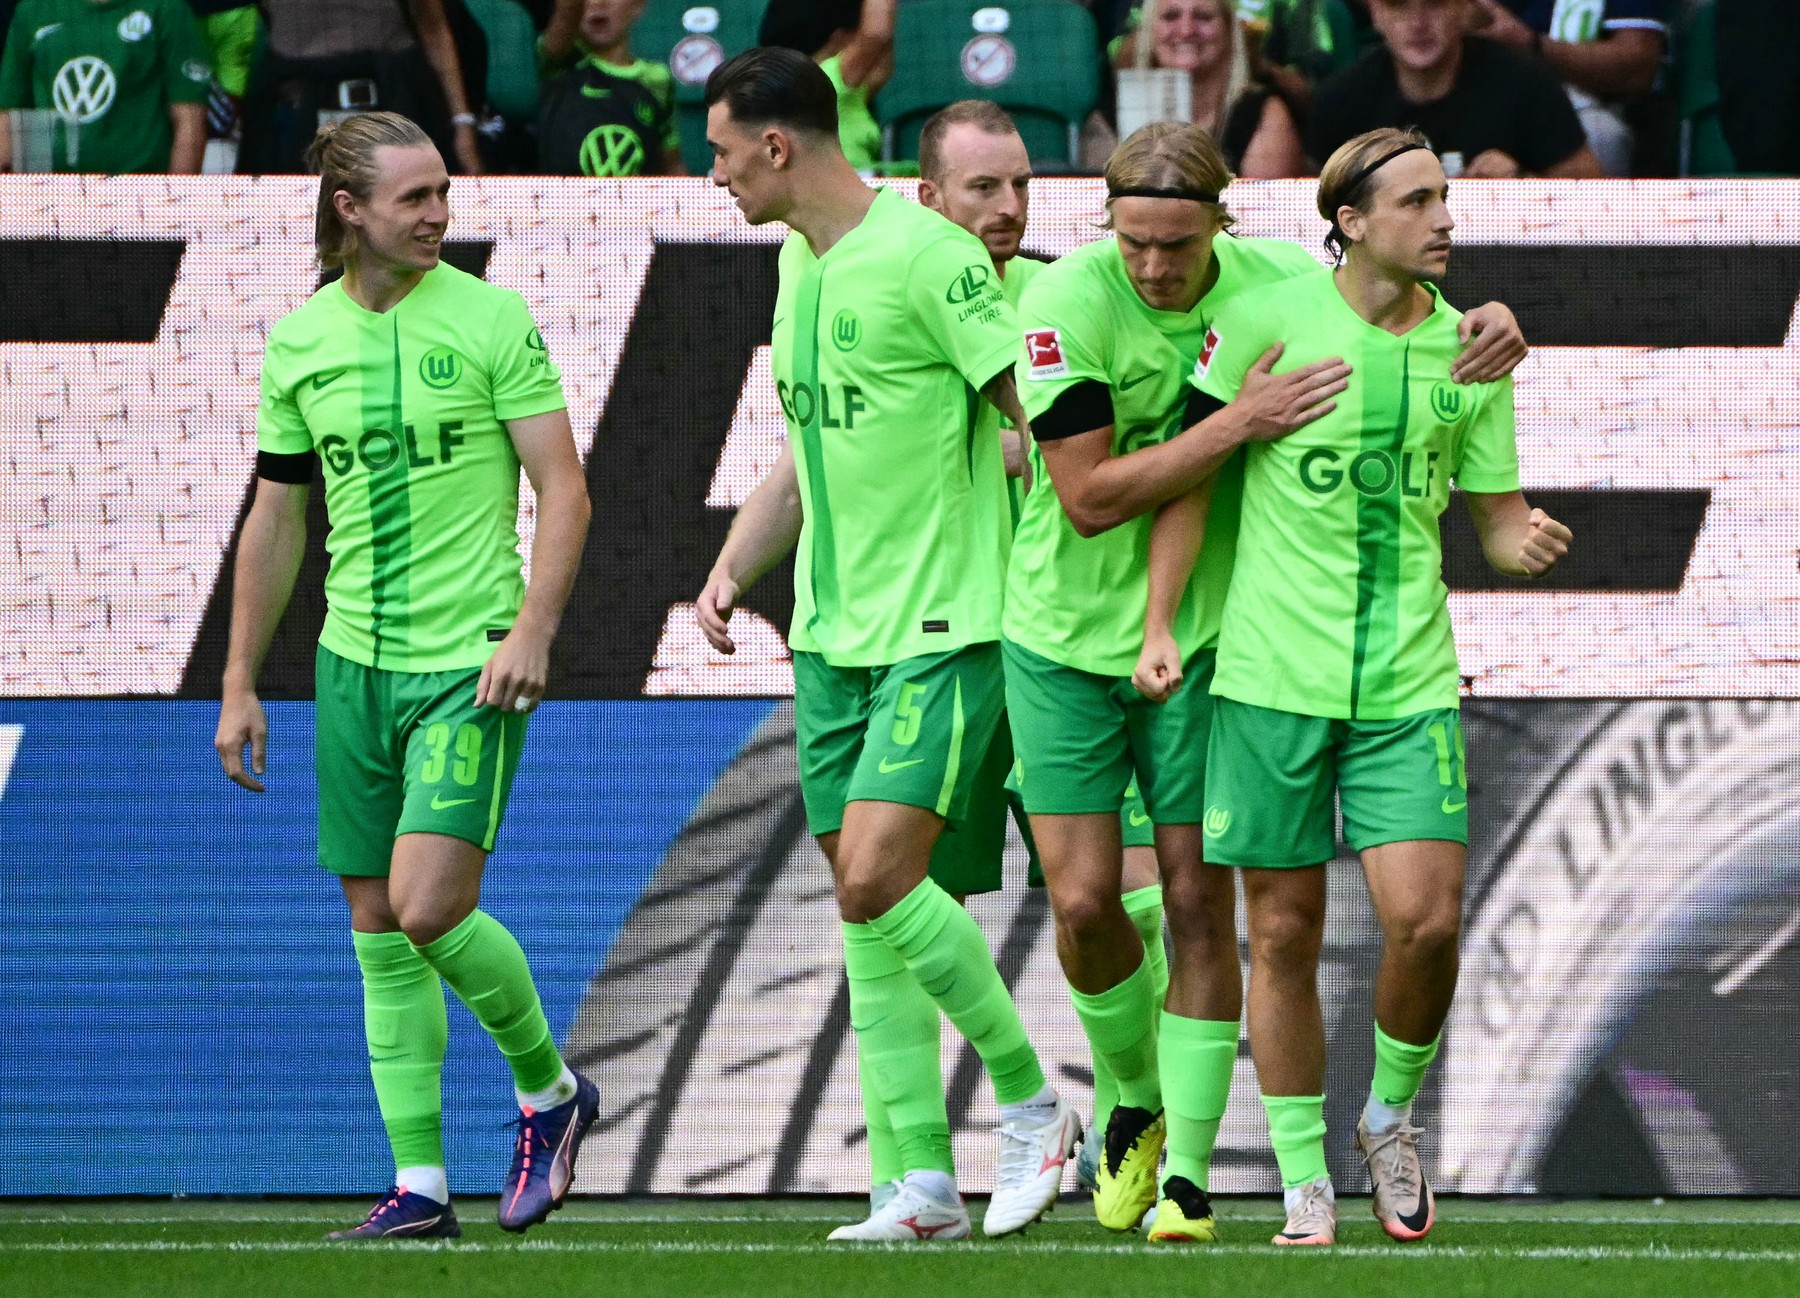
x=1642, y=841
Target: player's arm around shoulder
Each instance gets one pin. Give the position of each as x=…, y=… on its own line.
x=1493, y=344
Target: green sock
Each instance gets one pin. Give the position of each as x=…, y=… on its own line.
x=1196, y=1057
x=403, y=1018
x=1297, y=1130
x=1120, y=1023
x=944, y=949
x=1399, y=1068
x=1145, y=906
x=897, y=1041
x=485, y=967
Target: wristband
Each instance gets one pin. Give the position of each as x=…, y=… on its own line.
x=462, y=119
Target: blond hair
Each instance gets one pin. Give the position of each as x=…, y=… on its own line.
x=1345, y=179
x=1238, y=76
x=1169, y=155
x=343, y=156
x=983, y=114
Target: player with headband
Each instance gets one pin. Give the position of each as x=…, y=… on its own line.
x=1110, y=331
x=1336, y=675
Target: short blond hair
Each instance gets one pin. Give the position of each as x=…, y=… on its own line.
x=343, y=156
x=1169, y=155
x=1346, y=178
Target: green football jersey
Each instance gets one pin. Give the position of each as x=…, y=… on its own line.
x=406, y=409
x=1338, y=606
x=1080, y=600
x=1020, y=271
x=879, y=351
x=112, y=67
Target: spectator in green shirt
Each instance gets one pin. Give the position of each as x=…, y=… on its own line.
x=131, y=75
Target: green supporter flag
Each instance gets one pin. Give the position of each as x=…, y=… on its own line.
x=879, y=351
x=1338, y=606
x=113, y=68
x=407, y=411
x=1080, y=601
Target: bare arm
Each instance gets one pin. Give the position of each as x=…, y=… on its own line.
x=1002, y=393
x=1493, y=344
x=1175, y=542
x=557, y=45
x=189, y=148
x=1579, y=165
x=1100, y=490
x=1517, y=539
x=767, y=526
x=515, y=677
x=1620, y=65
x=868, y=59
x=269, y=553
x=440, y=51
x=1275, y=150
x=6, y=158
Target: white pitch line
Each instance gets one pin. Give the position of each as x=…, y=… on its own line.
x=1598, y=1253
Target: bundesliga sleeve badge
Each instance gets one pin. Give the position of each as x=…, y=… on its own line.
x=1207, y=348
x=1043, y=348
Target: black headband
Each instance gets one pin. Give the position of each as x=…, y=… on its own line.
x=1334, y=237
x=1162, y=191
x=1350, y=186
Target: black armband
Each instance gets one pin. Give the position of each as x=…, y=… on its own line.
x=1199, y=406
x=1078, y=409
x=294, y=468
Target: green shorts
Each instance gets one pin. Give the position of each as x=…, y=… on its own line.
x=915, y=732
x=405, y=753
x=1271, y=776
x=969, y=855
x=1080, y=736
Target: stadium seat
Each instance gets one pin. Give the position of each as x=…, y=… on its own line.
x=693, y=39
x=512, y=71
x=1704, y=148
x=1038, y=59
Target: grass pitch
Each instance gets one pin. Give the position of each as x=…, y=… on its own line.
x=689, y=1248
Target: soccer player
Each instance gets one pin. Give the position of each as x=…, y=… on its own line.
x=888, y=320
x=1110, y=331
x=1336, y=669
x=423, y=390
x=975, y=171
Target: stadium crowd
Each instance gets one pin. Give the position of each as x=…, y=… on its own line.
x=613, y=87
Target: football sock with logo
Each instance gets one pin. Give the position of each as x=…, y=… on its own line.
x=484, y=966
x=897, y=1044
x=944, y=949
x=1120, y=1023
x=1297, y=1130
x=404, y=1020
x=1196, y=1056
x=1399, y=1071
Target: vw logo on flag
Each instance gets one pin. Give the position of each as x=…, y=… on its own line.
x=84, y=89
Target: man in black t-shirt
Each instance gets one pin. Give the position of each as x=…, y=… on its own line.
x=1487, y=110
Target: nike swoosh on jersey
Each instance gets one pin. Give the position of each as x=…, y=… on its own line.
x=889, y=765
x=439, y=804
x=1129, y=384
x=44, y=31
x=324, y=380
x=1136, y=818
x=1451, y=808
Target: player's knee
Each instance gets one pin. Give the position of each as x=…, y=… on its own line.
x=1286, y=937
x=425, y=921
x=1088, y=917
x=1428, y=934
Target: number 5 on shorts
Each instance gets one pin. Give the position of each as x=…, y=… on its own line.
x=908, y=715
